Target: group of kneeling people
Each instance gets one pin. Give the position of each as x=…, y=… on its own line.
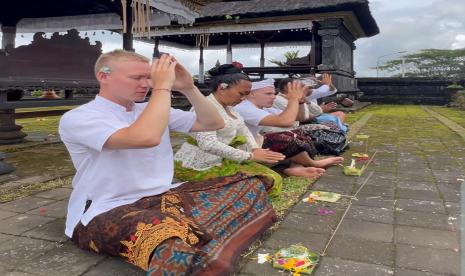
x=262, y=126
x=123, y=201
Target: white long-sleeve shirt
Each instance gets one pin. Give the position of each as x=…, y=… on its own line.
x=311, y=110
x=321, y=92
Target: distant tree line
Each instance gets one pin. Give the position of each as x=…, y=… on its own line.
x=429, y=63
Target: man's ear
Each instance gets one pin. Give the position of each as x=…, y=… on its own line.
x=251, y=95
x=101, y=76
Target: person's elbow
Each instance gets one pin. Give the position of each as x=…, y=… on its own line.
x=218, y=124
x=148, y=142
x=278, y=121
x=288, y=122
x=283, y=123
x=214, y=125
x=120, y=140
x=208, y=126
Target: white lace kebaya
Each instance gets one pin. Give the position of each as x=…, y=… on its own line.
x=213, y=146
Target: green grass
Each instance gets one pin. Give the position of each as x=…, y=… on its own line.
x=391, y=111
x=454, y=114
x=293, y=189
x=353, y=117
x=22, y=110
x=27, y=190
x=47, y=125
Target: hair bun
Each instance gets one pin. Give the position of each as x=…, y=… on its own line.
x=224, y=69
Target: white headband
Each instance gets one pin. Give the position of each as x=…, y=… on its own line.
x=262, y=84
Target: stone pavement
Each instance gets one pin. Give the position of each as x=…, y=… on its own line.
x=405, y=220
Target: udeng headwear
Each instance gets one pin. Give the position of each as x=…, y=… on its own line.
x=262, y=84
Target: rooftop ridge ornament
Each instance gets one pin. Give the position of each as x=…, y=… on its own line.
x=202, y=40
x=141, y=11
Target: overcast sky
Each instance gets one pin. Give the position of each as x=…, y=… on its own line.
x=405, y=25
x=410, y=25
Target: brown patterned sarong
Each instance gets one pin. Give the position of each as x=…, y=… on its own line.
x=306, y=138
x=198, y=228
x=290, y=143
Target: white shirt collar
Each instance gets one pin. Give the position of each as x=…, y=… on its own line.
x=104, y=102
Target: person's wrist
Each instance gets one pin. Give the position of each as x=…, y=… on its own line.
x=189, y=89
x=160, y=85
x=161, y=89
x=292, y=98
x=250, y=156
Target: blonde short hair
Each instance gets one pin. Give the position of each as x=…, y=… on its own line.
x=117, y=55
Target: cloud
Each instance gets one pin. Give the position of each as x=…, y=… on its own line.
x=410, y=26
x=459, y=42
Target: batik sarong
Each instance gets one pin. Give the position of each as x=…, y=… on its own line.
x=311, y=138
x=290, y=142
x=198, y=228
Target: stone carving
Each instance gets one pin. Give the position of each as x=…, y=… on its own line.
x=67, y=57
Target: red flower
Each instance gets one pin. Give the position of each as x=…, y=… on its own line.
x=133, y=238
x=155, y=221
x=237, y=64
x=300, y=263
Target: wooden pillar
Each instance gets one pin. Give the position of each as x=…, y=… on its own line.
x=8, y=38
x=353, y=47
x=201, y=68
x=156, y=52
x=262, y=57
x=229, y=50
x=262, y=53
x=128, y=36
x=315, y=50
x=69, y=94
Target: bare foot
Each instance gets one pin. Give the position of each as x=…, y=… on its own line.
x=331, y=161
x=310, y=172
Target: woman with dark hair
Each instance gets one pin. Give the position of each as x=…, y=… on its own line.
x=229, y=150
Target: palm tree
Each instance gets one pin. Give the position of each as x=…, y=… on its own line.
x=288, y=56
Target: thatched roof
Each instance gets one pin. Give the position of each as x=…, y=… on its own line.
x=14, y=10
x=261, y=8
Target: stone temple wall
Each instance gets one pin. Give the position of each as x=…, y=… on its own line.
x=405, y=90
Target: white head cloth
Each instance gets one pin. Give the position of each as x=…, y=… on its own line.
x=262, y=84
